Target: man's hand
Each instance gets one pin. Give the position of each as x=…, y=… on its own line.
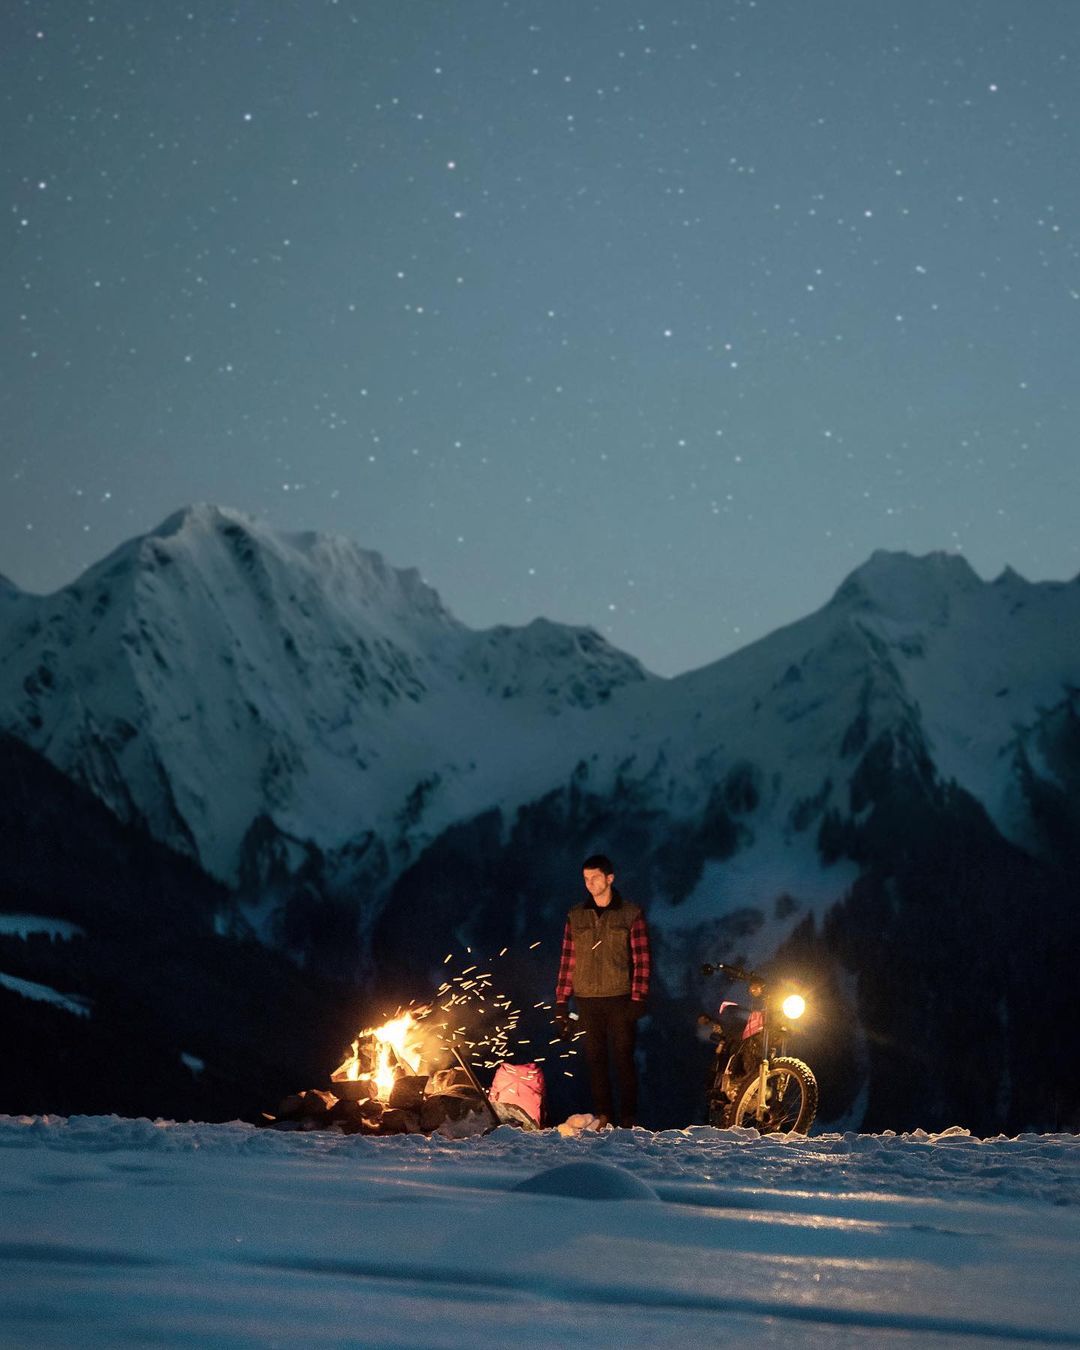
x=561, y=1021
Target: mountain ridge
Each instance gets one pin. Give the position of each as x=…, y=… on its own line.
x=372, y=779
x=274, y=649
x=295, y=660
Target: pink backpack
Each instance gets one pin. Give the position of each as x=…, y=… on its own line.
x=521, y=1085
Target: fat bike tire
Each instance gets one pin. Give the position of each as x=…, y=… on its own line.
x=791, y=1099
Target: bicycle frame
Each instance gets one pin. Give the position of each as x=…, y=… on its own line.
x=760, y=1022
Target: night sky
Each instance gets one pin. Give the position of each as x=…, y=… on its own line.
x=659, y=317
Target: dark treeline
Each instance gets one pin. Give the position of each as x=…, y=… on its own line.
x=942, y=987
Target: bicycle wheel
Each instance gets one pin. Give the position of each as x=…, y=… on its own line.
x=791, y=1099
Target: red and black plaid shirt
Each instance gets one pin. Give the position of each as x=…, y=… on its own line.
x=639, y=957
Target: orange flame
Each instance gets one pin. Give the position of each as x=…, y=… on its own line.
x=398, y=1045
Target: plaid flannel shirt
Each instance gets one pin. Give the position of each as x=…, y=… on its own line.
x=639, y=957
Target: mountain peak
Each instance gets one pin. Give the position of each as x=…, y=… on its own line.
x=905, y=586
x=200, y=516
x=280, y=564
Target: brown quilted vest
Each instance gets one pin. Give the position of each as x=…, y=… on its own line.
x=602, y=964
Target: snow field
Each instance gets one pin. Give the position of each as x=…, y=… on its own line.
x=121, y=1232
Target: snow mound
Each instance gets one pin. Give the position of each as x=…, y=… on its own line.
x=588, y=1181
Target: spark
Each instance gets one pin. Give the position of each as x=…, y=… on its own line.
x=534, y=946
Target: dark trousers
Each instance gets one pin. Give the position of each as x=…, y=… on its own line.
x=610, y=1031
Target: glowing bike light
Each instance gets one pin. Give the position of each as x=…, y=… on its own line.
x=794, y=1006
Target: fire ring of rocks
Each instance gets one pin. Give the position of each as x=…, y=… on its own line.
x=444, y=1102
x=380, y=1089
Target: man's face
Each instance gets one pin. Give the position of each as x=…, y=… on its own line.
x=598, y=884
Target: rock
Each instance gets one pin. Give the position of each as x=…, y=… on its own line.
x=348, y=1114
x=467, y=1125
x=371, y=1111
x=461, y=1101
x=407, y=1093
x=432, y=1113
x=447, y=1080
x=400, y=1122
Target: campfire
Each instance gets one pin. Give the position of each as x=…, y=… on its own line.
x=398, y=1078
x=408, y=1075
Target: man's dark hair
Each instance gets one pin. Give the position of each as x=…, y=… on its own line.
x=599, y=862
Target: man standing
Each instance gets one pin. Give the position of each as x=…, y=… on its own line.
x=605, y=965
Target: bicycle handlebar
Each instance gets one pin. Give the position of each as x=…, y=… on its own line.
x=735, y=972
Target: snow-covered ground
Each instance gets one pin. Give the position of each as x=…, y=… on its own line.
x=130, y=1232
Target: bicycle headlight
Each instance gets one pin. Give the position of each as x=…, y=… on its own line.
x=793, y=1006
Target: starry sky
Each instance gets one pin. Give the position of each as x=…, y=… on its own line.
x=658, y=317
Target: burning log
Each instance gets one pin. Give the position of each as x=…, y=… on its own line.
x=353, y=1090
x=380, y=1056
x=364, y=1060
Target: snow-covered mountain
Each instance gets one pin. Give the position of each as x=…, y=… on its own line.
x=894, y=777
x=977, y=682
x=217, y=681
x=214, y=676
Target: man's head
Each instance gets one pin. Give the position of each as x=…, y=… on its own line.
x=599, y=872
